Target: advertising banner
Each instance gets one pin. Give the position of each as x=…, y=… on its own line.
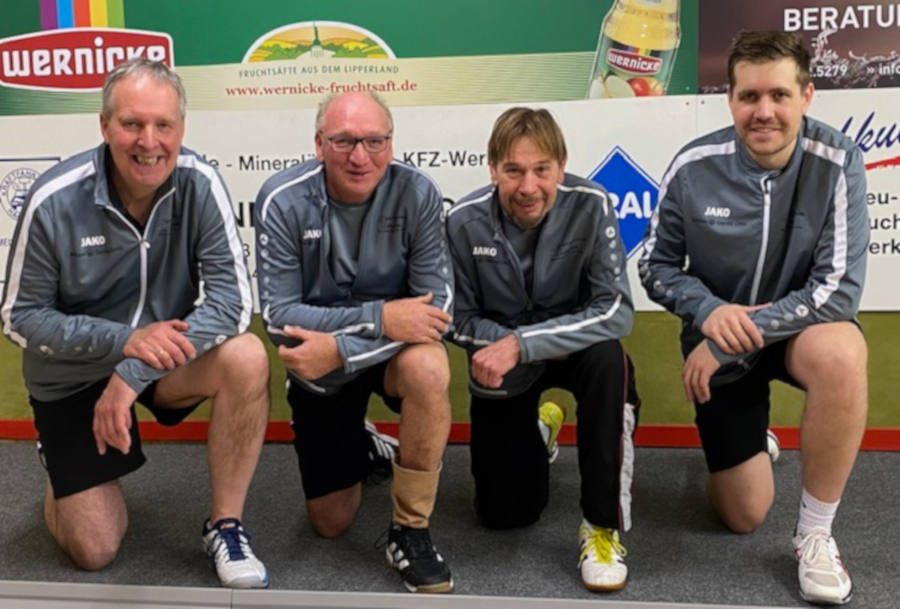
x=852, y=44
x=286, y=54
x=625, y=145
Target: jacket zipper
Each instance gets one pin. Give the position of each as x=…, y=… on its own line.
x=766, y=183
x=145, y=245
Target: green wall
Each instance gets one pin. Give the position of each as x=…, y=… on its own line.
x=653, y=346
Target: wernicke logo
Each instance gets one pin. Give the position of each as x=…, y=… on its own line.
x=75, y=58
x=633, y=63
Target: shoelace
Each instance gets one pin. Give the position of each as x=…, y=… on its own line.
x=604, y=544
x=817, y=552
x=235, y=540
x=418, y=543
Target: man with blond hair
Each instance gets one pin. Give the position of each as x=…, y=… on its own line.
x=542, y=299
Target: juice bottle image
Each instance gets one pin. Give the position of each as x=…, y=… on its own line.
x=636, y=49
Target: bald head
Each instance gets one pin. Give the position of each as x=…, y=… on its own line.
x=354, y=100
x=353, y=142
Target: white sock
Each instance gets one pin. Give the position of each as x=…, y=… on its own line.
x=815, y=514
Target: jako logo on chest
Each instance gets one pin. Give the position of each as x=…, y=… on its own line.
x=718, y=212
x=484, y=250
x=93, y=241
x=311, y=234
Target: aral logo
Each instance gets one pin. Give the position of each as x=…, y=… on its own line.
x=633, y=195
x=318, y=40
x=633, y=63
x=14, y=188
x=75, y=58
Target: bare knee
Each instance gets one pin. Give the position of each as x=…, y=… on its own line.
x=743, y=495
x=422, y=368
x=828, y=353
x=245, y=362
x=744, y=518
x=92, y=553
x=330, y=516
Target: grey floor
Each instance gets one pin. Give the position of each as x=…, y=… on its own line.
x=677, y=550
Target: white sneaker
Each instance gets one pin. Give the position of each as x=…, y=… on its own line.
x=773, y=446
x=227, y=545
x=823, y=577
x=602, y=560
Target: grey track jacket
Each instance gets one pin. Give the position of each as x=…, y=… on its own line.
x=727, y=231
x=580, y=294
x=402, y=253
x=81, y=277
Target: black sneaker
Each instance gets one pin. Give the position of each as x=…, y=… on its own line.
x=422, y=568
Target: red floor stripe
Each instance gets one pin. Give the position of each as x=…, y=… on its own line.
x=672, y=436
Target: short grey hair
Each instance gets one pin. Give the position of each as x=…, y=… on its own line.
x=326, y=103
x=141, y=66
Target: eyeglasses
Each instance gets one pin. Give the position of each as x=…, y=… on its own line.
x=371, y=143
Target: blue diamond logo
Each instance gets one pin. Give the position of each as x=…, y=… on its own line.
x=633, y=194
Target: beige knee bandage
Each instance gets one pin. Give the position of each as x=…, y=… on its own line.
x=413, y=493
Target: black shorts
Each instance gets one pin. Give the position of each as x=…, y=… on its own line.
x=733, y=423
x=329, y=432
x=66, y=439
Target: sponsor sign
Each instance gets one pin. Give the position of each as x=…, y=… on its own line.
x=852, y=44
x=75, y=59
x=632, y=192
x=310, y=40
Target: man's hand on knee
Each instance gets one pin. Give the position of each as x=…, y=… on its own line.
x=161, y=345
x=413, y=320
x=112, y=416
x=315, y=356
x=698, y=368
x=730, y=327
x=490, y=363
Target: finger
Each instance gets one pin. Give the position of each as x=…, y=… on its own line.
x=165, y=359
x=439, y=314
x=703, y=386
x=738, y=341
x=122, y=427
x=286, y=354
x=98, y=436
x=426, y=298
x=178, y=324
x=184, y=347
x=751, y=309
x=722, y=343
x=686, y=383
x=753, y=334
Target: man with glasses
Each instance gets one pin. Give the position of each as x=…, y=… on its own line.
x=355, y=286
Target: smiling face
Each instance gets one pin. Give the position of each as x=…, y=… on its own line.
x=767, y=105
x=351, y=177
x=526, y=182
x=144, y=130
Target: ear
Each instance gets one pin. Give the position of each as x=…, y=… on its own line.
x=104, y=127
x=562, y=171
x=320, y=147
x=808, y=95
x=493, y=170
